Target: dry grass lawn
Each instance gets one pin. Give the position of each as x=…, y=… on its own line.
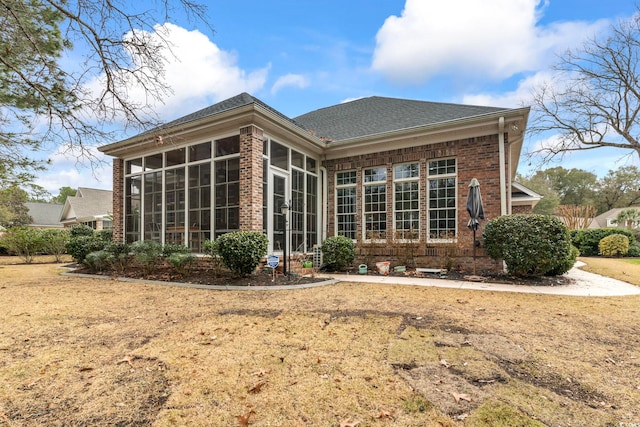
x=625, y=269
x=91, y=352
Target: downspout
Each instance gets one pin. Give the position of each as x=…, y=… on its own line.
x=325, y=190
x=503, y=183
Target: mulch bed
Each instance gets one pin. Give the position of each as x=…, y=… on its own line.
x=204, y=274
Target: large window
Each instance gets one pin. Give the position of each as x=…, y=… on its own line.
x=346, y=204
x=442, y=199
x=175, y=206
x=153, y=206
x=132, y=208
x=375, y=203
x=407, y=201
x=199, y=205
x=227, y=173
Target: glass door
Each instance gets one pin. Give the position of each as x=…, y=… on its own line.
x=278, y=197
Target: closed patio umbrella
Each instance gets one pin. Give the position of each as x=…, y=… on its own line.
x=476, y=213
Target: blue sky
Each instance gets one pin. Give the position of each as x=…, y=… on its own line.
x=301, y=55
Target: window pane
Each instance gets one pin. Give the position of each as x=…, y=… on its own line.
x=297, y=159
x=175, y=157
x=229, y=145
x=153, y=162
x=200, y=152
x=279, y=155
x=133, y=166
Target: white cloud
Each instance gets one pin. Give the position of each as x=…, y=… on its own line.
x=517, y=98
x=197, y=71
x=293, y=80
x=66, y=171
x=492, y=39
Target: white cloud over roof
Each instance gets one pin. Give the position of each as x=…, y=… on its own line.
x=490, y=39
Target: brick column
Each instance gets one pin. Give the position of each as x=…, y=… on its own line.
x=251, y=178
x=118, y=200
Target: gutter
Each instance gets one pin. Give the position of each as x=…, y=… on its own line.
x=503, y=184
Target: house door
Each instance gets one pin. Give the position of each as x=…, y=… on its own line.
x=280, y=186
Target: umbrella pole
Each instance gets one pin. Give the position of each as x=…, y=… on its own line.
x=474, y=251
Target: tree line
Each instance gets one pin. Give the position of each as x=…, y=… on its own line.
x=619, y=188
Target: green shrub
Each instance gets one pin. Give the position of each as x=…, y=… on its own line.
x=565, y=265
x=147, y=253
x=634, y=249
x=588, y=241
x=174, y=248
x=80, y=246
x=119, y=256
x=241, y=251
x=182, y=262
x=98, y=260
x=81, y=230
x=25, y=242
x=54, y=242
x=338, y=252
x=614, y=245
x=530, y=245
x=210, y=248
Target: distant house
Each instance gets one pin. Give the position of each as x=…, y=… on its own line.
x=44, y=215
x=89, y=206
x=608, y=218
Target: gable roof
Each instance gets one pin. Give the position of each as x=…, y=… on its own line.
x=375, y=115
x=601, y=221
x=87, y=204
x=44, y=214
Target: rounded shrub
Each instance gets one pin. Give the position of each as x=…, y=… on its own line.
x=81, y=245
x=530, y=245
x=182, y=262
x=174, y=248
x=614, y=245
x=338, y=252
x=241, y=251
x=98, y=260
x=147, y=253
x=588, y=241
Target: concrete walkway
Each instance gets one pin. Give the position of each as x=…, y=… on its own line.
x=585, y=284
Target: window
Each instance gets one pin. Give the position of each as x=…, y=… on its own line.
x=312, y=211
x=346, y=204
x=199, y=205
x=132, y=204
x=296, y=211
x=229, y=145
x=153, y=206
x=200, y=152
x=375, y=203
x=175, y=206
x=442, y=199
x=279, y=156
x=407, y=202
x=227, y=193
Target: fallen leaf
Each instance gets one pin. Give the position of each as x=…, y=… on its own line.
x=349, y=423
x=125, y=359
x=86, y=368
x=444, y=363
x=244, y=419
x=186, y=392
x=461, y=396
x=610, y=360
x=257, y=386
x=385, y=414
x=260, y=373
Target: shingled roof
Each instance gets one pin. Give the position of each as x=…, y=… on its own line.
x=376, y=115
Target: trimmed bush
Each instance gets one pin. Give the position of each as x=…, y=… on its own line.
x=614, y=245
x=530, y=245
x=119, y=257
x=338, y=252
x=54, y=242
x=174, y=248
x=98, y=260
x=210, y=248
x=241, y=251
x=147, y=253
x=588, y=241
x=182, y=262
x=23, y=241
x=81, y=230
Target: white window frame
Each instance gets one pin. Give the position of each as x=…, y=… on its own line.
x=438, y=176
x=378, y=183
x=349, y=185
x=402, y=180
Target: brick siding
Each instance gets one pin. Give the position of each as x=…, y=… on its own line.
x=251, y=170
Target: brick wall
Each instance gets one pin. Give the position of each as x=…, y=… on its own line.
x=118, y=200
x=475, y=158
x=251, y=178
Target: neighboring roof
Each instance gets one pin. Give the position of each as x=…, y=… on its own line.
x=44, y=214
x=87, y=204
x=601, y=220
x=521, y=195
x=375, y=115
